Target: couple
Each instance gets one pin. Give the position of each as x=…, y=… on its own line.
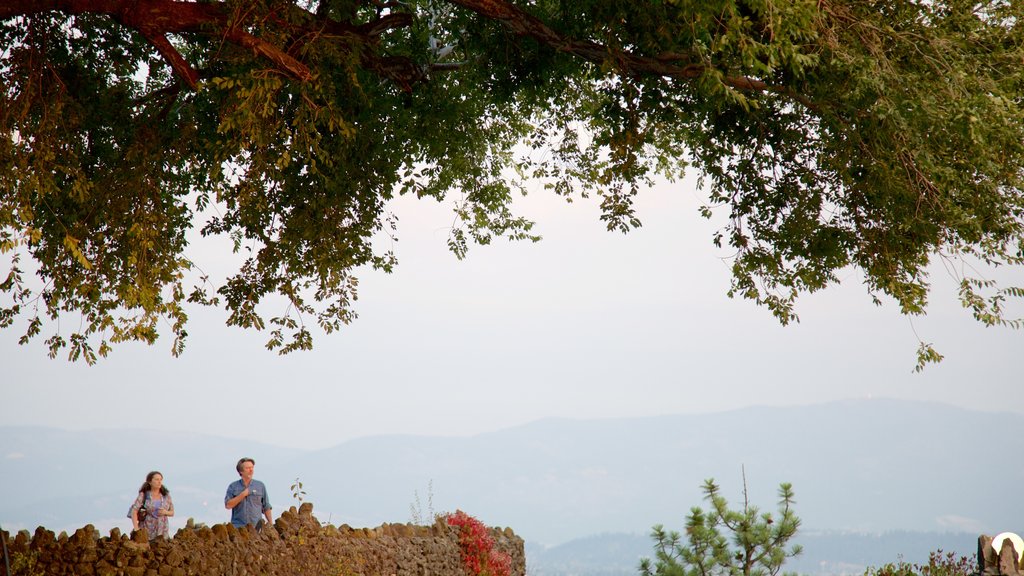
x=246, y=498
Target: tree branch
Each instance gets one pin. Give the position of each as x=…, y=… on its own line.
x=181, y=67
x=154, y=19
x=389, y=22
x=522, y=23
x=281, y=59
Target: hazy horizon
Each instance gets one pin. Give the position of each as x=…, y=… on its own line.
x=586, y=323
x=303, y=447
x=862, y=469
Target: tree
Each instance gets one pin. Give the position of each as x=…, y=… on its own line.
x=755, y=545
x=874, y=135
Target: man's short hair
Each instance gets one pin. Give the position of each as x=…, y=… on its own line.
x=238, y=467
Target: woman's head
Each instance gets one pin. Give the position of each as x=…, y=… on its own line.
x=154, y=481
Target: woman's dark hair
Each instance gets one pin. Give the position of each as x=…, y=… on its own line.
x=146, y=486
x=238, y=467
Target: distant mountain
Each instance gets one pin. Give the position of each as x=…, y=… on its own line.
x=595, y=555
x=824, y=553
x=870, y=466
x=65, y=479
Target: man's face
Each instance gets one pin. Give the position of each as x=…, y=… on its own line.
x=246, y=472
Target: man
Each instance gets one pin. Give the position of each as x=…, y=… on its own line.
x=247, y=498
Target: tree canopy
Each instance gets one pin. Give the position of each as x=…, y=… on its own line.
x=877, y=135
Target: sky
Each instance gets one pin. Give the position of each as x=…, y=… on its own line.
x=584, y=324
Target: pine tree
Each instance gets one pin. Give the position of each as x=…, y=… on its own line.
x=725, y=542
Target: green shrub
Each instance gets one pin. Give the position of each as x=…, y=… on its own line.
x=753, y=544
x=939, y=564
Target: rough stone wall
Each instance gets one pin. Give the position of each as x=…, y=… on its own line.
x=1005, y=562
x=298, y=545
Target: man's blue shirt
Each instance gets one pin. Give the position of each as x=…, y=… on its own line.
x=251, y=509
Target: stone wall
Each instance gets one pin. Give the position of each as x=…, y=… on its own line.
x=297, y=545
x=997, y=555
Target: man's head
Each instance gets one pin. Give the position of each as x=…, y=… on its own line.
x=245, y=467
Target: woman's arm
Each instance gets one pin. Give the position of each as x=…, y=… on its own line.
x=168, y=509
x=135, y=511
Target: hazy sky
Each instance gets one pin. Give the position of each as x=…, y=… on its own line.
x=584, y=324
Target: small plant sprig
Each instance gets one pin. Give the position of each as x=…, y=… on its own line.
x=416, y=508
x=297, y=492
x=477, y=547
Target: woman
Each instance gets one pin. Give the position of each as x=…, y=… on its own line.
x=158, y=502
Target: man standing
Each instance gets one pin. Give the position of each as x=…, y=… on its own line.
x=247, y=498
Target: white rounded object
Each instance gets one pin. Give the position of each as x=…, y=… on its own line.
x=1018, y=544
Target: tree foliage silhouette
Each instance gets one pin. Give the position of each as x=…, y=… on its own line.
x=874, y=135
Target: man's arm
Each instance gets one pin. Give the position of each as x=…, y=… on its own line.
x=267, y=508
x=230, y=502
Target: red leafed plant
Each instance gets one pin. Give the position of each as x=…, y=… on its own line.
x=477, y=547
